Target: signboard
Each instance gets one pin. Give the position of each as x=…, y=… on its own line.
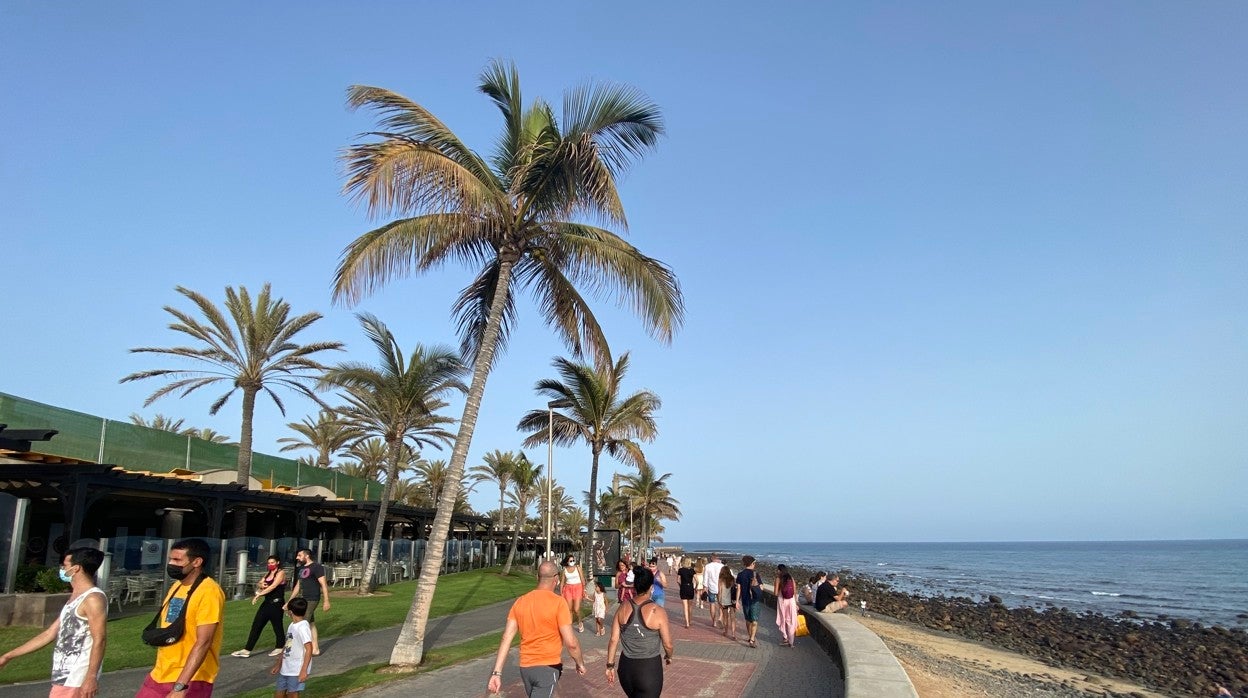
x=606, y=552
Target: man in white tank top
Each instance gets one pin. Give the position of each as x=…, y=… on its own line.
x=79, y=630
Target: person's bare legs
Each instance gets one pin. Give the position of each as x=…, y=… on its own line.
x=686, y=603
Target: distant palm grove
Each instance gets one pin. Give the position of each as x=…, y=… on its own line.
x=530, y=216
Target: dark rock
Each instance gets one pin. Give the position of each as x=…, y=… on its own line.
x=993, y=598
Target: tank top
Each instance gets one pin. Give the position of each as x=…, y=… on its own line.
x=638, y=641
x=573, y=576
x=72, y=654
x=278, y=594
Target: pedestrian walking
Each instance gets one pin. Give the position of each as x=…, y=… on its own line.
x=600, y=608
x=786, y=606
x=750, y=595
x=727, y=603
x=271, y=597
x=187, y=629
x=658, y=591
x=545, y=626
x=623, y=582
x=699, y=584
x=295, y=659
x=687, y=590
x=572, y=589
x=310, y=585
x=710, y=577
x=641, y=630
x=79, y=630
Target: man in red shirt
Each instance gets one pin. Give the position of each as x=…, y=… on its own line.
x=545, y=625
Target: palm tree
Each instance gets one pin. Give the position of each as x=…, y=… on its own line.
x=497, y=469
x=571, y=520
x=328, y=435
x=396, y=402
x=370, y=459
x=255, y=353
x=597, y=414
x=356, y=469
x=513, y=218
x=650, y=499
x=208, y=434
x=523, y=489
x=160, y=422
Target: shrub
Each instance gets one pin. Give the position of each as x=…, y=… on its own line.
x=49, y=579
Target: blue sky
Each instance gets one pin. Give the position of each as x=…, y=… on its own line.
x=955, y=271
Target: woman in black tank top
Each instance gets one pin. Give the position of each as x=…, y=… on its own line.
x=271, y=596
x=641, y=629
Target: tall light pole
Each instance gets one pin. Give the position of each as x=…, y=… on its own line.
x=550, y=465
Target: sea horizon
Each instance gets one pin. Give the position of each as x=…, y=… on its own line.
x=1204, y=580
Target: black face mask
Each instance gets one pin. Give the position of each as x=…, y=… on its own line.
x=176, y=572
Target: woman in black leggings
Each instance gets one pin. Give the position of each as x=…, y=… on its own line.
x=640, y=628
x=271, y=593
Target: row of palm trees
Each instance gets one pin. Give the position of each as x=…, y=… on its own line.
x=529, y=216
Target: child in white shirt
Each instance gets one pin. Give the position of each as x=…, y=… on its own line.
x=296, y=659
x=600, y=608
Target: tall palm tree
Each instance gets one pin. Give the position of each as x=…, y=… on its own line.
x=252, y=350
x=571, y=521
x=523, y=490
x=328, y=435
x=497, y=468
x=397, y=402
x=650, y=499
x=513, y=218
x=598, y=414
x=369, y=458
x=160, y=422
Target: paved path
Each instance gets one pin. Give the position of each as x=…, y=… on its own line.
x=337, y=655
x=705, y=664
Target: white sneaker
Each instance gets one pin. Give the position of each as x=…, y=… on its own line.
x=277, y=651
x=241, y=653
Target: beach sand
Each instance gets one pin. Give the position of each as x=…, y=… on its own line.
x=944, y=666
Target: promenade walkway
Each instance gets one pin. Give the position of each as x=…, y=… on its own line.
x=706, y=663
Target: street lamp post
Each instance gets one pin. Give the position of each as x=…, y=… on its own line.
x=550, y=466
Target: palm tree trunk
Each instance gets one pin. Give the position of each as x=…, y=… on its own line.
x=239, y=527
x=500, y=506
x=515, y=542
x=593, y=509
x=392, y=476
x=411, y=643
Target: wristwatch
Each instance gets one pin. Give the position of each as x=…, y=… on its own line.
x=178, y=687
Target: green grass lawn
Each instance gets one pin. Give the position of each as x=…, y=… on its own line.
x=349, y=614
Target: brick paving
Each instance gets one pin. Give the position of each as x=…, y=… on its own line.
x=705, y=664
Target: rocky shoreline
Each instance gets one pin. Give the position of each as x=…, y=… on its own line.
x=1174, y=656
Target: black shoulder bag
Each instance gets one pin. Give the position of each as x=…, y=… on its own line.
x=157, y=636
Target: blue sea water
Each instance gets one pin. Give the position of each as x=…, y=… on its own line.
x=1202, y=580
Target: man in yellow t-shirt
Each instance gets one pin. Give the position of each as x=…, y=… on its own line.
x=545, y=625
x=188, y=667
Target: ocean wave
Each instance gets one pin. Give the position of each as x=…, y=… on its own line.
x=1105, y=593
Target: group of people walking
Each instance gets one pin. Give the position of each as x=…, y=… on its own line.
x=187, y=628
x=548, y=621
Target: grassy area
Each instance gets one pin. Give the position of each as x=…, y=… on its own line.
x=365, y=676
x=348, y=614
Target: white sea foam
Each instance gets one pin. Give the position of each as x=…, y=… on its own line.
x=1105, y=593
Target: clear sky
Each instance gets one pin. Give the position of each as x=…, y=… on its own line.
x=954, y=271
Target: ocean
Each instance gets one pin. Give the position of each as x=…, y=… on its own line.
x=1201, y=580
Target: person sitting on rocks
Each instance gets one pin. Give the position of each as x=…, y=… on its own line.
x=828, y=598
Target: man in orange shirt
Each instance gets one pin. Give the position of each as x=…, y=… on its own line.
x=545, y=626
